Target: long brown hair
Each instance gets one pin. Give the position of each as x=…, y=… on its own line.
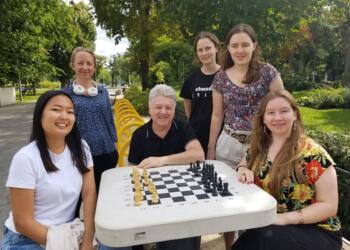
x=213, y=38
x=287, y=159
x=255, y=64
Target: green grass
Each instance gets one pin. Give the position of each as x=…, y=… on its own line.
x=327, y=120
x=30, y=98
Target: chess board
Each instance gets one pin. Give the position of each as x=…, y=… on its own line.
x=185, y=208
x=175, y=185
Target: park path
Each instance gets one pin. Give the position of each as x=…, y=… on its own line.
x=15, y=126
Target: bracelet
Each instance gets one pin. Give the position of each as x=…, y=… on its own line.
x=301, y=219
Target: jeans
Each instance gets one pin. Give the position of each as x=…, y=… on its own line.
x=15, y=241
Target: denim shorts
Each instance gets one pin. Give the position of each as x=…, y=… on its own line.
x=15, y=241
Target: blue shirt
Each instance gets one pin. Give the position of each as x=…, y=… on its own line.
x=95, y=120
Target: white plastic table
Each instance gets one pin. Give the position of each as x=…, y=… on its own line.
x=119, y=223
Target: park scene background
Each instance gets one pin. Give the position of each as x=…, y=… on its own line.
x=307, y=41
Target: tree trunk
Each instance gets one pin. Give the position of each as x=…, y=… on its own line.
x=145, y=42
x=346, y=74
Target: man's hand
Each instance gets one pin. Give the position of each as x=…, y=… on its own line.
x=153, y=162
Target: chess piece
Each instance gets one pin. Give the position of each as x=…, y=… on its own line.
x=155, y=198
x=137, y=198
x=225, y=191
x=214, y=191
x=220, y=187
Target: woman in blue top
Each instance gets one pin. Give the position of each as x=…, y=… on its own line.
x=93, y=112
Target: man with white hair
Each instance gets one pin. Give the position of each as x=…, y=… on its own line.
x=165, y=141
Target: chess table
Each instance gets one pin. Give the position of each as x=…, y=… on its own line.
x=185, y=208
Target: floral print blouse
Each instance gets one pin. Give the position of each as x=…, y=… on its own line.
x=314, y=160
x=240, y=103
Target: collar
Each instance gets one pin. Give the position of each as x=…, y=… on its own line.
x=150, y=133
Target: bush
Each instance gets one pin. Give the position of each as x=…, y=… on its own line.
x=49, y=85
x=326, y=98
x=336, y=144
x=138, y=99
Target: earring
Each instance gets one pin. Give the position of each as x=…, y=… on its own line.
x=264, y=128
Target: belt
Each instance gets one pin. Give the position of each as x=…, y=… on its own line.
x=242, y=138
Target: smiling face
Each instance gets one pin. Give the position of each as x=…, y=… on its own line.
x=206, y=51
x=241, y=48
x=162, y=111
x=279, y=117
x=83, y=65
x=58, y=117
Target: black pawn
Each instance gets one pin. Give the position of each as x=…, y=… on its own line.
x=214, y=191
x=225, y=191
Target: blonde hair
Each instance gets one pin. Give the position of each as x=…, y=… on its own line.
x=286, y=162
x=81, y=49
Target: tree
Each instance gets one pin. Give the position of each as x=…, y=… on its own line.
x=37, y=37
x=138, y=20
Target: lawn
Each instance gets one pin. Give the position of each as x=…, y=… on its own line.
x=30, y=98
x=327, y=120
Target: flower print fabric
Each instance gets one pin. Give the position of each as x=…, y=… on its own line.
x=314, y=160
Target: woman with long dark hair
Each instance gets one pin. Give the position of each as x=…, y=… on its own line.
x=47, y=176
x=237, y=92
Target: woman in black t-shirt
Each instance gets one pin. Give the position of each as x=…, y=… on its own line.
x=197, y=91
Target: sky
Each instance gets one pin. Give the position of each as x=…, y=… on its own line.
x=105, y=46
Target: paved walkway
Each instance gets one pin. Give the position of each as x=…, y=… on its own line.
x=15, y=126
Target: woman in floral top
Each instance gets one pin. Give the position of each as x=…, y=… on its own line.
x=299, y=173
x=237, y=91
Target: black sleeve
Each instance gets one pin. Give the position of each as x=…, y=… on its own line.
x=189, y=133
x=135, y=156
x=186, y=88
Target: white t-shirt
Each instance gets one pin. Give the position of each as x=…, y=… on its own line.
x=56, y=193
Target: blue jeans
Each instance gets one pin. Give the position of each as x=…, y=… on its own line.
x=15, y=241
x=103, y=247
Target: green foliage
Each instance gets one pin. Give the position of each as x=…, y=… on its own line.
x=336, y=144
x=104, y=76
x=326, y=98
x=160, y=73
x=138, y=99
x=37, y=37
x=178, y=55
x=49, y=84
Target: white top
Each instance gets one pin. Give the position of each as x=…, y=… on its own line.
x=56, y=193
x=184, y=213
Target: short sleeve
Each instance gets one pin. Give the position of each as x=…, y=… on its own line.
x=88, y=157
x=190, y=134
x=186, y=88
x=22, y=173
x=269, y=73
x=316, y=161
x=134, y=156
x=218, y=81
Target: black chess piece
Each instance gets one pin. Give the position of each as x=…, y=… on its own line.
x=190, y=168
x=220, y=187
x=225, y=191
x=214, y=191
x=207, y=187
